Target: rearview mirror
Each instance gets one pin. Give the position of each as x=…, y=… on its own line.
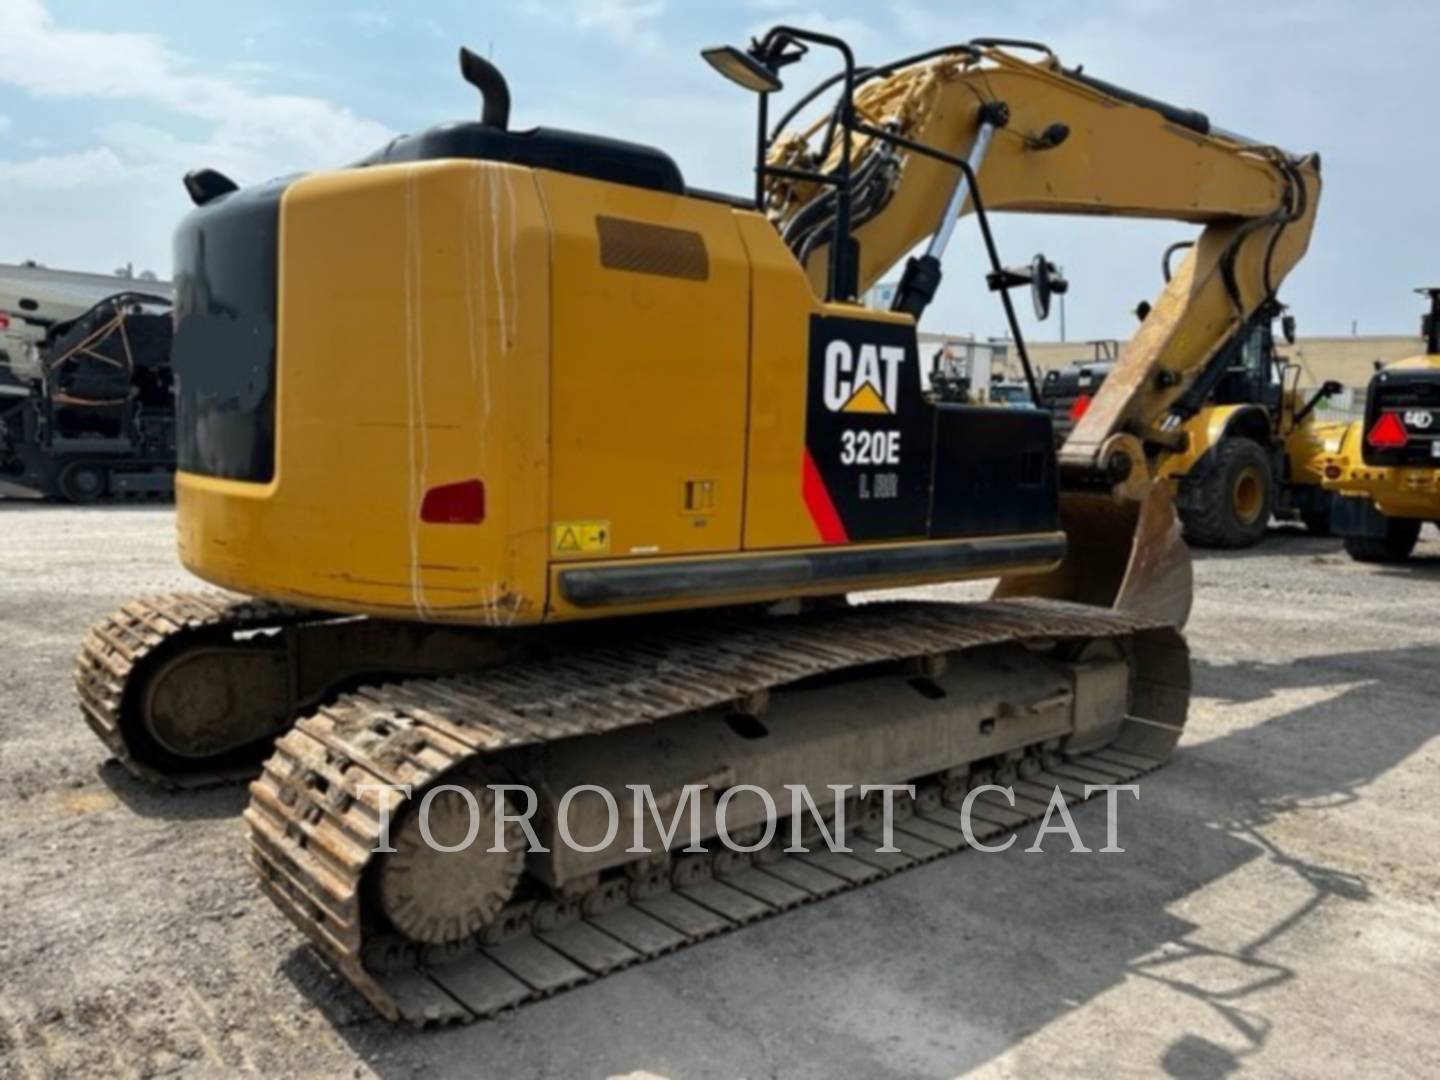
x=1043, y=277
x=1287, y=327
x=1045, y=282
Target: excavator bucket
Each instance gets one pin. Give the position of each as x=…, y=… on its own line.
x=1123, y=553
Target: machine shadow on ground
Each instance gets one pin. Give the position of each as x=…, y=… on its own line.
x=966, y=958
x=146, y=801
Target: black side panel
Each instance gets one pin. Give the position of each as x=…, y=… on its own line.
x=868, y=431
x=994, y=472
x=1414, y=397
x=224, y=352
x=541, y=148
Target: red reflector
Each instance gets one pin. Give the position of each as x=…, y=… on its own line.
x=454, y=504
x=4, y=321
x=1081, y=407
x=1388, y=433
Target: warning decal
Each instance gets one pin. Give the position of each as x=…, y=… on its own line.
x=581, y=538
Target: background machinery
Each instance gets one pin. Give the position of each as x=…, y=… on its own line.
x=86, y=394
x=1066, y=391
x=501, y=513
x=1252, y=438
x=1386, y=472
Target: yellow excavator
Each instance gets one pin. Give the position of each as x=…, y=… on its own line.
x=1385, y=470
x=530, y=463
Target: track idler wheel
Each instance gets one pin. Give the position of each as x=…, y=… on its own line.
x=438, y=896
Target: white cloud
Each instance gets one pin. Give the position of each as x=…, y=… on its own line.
x=64, y=172
x=4, y=123
x=174, y=116
x=267, y=132
x=627, y=22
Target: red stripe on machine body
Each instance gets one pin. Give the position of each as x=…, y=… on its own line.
x=821, y=507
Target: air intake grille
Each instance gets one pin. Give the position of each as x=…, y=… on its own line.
x=642, y=248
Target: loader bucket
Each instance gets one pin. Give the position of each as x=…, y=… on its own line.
x=1123, y=553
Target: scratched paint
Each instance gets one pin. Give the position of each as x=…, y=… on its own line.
x=417, y=430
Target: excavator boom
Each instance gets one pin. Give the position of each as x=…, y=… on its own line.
x=1036, y=137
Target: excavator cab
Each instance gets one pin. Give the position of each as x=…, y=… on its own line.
x=1258, y=375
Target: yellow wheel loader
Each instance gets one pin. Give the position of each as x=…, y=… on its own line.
x=531, y=470
x=1385, y=474
x=1251, y=444
x=1250, y=441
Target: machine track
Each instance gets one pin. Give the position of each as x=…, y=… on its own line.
x=111, y=666
x=313, y=831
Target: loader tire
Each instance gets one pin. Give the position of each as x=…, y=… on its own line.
x=1395, y=546
x=1232, y=504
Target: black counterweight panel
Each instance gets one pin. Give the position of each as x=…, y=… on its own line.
x=994, y=472
x=1413, y=396
x=224, y=355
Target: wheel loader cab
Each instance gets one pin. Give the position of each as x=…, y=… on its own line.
x=1257, y=376
x=498, y=377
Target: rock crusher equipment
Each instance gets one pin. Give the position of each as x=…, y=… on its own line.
x=1386, y=473
x=88, y=410
x=542, y=468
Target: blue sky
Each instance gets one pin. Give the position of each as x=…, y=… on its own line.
x=103, y=106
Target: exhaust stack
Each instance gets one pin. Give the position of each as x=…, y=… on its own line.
x=494, y=91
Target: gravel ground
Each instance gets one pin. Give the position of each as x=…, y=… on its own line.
x=1275, y=910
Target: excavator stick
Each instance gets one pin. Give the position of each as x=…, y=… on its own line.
x=1125, y=547
x=1123, y=553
